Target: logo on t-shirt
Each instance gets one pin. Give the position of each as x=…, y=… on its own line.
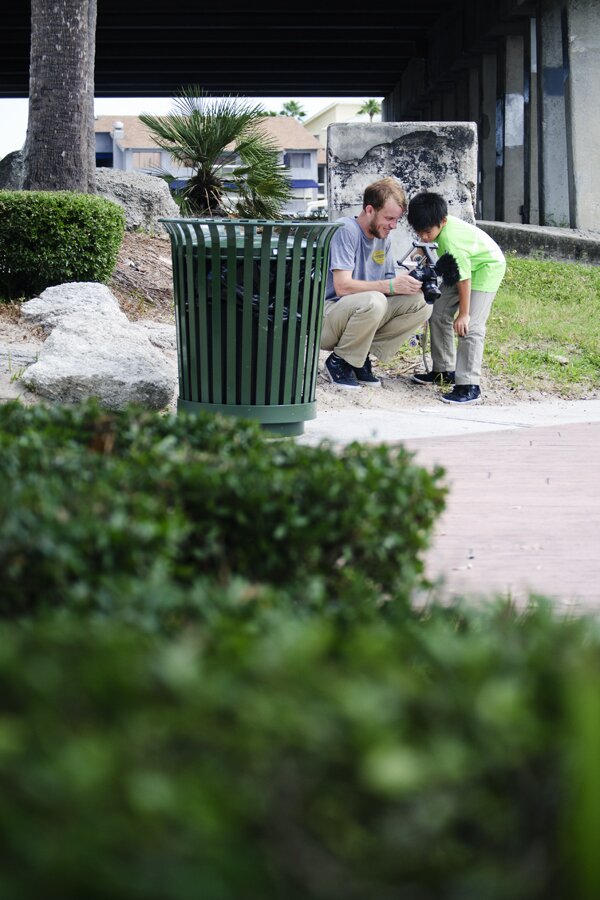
x=378, y=256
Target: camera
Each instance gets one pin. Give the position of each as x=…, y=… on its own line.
x=428, y=269
x=425, y=271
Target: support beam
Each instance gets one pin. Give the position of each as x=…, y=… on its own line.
x=514, y=130
x=553, y=73
x=488, y=136
x=583, y=114
x=532, y=181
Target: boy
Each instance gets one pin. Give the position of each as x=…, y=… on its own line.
x=463, y=309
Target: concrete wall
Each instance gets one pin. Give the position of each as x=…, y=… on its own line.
x=513, y=187
x=526, y=71
x=544, y=242
x=583, y=112
x=424, y=156
x=553, y=73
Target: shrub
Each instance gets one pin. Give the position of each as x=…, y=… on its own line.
x=92, y=499
x=436, y=761
x=48, y=238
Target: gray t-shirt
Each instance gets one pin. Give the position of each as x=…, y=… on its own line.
x=369, y=259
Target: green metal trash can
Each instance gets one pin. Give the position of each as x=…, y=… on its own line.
x=248, y=311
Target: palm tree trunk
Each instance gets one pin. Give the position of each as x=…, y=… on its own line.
x=59, y=148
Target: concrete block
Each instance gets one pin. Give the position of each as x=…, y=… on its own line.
x=424, y=156
x=546, y=242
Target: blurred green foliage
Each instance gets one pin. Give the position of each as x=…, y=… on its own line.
x=214, y=684
x=91, y=502
x=309, y=760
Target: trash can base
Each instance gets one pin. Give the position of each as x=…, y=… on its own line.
x=286, y=420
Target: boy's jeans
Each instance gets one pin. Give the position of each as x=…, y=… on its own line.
x=465, y=359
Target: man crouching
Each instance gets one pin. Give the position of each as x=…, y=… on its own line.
x=368, y=307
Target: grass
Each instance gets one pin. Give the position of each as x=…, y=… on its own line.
x=544, y=330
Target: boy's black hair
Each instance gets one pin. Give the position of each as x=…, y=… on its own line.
x=426, y=210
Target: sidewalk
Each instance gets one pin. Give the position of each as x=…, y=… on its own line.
x=523, y=512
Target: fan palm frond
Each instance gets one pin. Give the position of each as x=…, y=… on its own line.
x=229, y=154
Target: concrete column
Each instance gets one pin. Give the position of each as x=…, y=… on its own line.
x=462, y=98
x=474, y=115
x=474, y=99
x=412, y=86
x=449, y=105
x=531, y=131
x=488, y=136
x=552, y=117
x=391, y=105
x=500, y=108
x=514, y=130
x=437, y=108
x=583, y=113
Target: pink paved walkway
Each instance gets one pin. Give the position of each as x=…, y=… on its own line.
x=523, y=513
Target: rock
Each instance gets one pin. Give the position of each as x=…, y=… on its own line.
x=159, y=334
x=145, y=198
x=11, y=171
x=14, y=356
x=59, y=301
x=94, y=351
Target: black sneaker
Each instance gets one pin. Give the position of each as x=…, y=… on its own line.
x=463, y=393
x=434, y=377
x=364, y=374
x=340, y=373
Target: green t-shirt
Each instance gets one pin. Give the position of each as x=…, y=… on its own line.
x=478, y=256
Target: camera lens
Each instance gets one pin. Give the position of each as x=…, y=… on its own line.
x=431, y=291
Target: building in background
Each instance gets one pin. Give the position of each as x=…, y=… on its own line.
x=334, y=114
x=123, y=142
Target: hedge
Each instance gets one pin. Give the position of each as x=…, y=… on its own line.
x=454, y=757
x=52, y=237
x=92, y=501
x=215, y=684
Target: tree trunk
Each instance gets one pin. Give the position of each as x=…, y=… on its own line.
x=59, y=148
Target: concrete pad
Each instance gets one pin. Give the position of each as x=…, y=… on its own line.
x=438, y=419
x=522, y=515
x=523, y=508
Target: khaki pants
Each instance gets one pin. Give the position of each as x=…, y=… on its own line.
x=465, y=359
x=358, y=324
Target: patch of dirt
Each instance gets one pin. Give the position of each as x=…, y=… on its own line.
x=143, y=279
x=142, y=283
x=399, y=391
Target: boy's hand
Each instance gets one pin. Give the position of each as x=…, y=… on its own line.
x=461, y=325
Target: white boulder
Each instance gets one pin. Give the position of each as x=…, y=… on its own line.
x=94, y=351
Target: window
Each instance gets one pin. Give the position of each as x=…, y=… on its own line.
x=297, y=160
x=145, y=159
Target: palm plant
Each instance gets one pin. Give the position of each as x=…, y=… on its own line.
x=293, y=109
x=235, y=164
x=370, y=108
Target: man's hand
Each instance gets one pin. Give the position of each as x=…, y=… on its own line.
x=461, y=325
x=406, y=284
x=345, y=284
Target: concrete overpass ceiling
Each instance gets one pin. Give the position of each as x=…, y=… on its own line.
x=310, y=48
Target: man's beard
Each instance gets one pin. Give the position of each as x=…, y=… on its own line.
x=373, y=230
